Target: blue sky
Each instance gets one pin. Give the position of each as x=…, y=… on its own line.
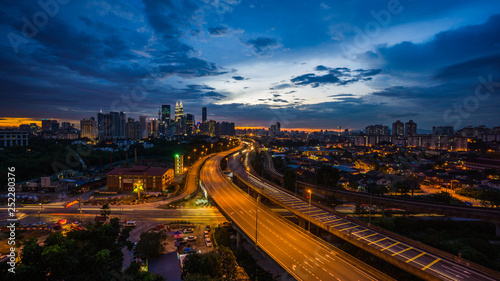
x=307, y=64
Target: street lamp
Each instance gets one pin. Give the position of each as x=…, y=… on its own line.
x=309, y=225
x=188, y=159
x=256, y=218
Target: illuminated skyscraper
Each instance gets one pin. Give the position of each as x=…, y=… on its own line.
x=179, y=111
x=165, y=112
x=88, y=128
x=398, y=128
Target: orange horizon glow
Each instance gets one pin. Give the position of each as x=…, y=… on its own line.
x=8, y=122
x=289, y=129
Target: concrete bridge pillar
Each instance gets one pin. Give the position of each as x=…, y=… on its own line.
x=497, y=226
x=238, y=239
x=302, y=223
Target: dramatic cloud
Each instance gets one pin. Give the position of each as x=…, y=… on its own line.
x=336, y=76
x=263, y=46
x=218, y=30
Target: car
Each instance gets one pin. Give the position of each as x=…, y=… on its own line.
x=205, y=234
x=57, y=226
x=76, y=223
x=188, y=230
x=24, y=225
x=208, y=242
x=191, y=238
x=189, y=250
x=159, y=227
x=39, y=224
x=62, y=221
x=207, y=228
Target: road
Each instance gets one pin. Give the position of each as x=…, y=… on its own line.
x=435, y=265
x=296, y=251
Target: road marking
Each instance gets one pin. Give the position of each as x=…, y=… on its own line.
x=415, y=257
x=341, y=224
x=377, y=241
x=402, y=251
x=431, y=264
x=364, y=237
x=390, y=246
x=360, y=231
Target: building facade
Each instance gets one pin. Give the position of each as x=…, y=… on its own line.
x=144, y=178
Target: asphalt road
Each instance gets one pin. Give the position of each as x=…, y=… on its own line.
x=296, y=251
x=438, y=266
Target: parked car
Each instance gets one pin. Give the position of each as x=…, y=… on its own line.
x=208, y=242
x=191, y=238
x=188, y=230
x=205, y=234
x=207, y=228
x=39, y=224
x=189, y=250
x=63, y=221
x=76, y=223
x=159, y=227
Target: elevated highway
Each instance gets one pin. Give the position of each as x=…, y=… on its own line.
x=481, y=213
x=419, y=259
x=302, y=255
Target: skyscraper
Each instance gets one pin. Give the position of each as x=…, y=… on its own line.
x=88, y=128
x=179, y=111
x=46, y=125
x=398, y=129
x=204, y=115
x=165, y=112
x=144, y=122
x=189, y=123
x=410, y=128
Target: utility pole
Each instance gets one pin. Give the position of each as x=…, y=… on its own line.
x=310, y=196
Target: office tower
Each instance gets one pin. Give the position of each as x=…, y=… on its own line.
x=189, y=123
x=100, y=124
x=133, y=130
x=55, y=126
x=165, y=113
x=179, y=111
x=144, y=125
x=204, y=115
x=227, y=129
x=398, y=129
x=410, y=128
x=88, y=128
x=46, y=125
x=212, y=128
x=65, y=125
x=278, y=128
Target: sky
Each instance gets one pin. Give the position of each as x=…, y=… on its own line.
x=305, y=64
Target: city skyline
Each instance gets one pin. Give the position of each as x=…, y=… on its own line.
x=316, y=65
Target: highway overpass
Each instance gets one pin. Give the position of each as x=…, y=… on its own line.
x=419, y=259
x=481, y=213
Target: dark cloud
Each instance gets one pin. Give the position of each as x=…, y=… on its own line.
x=445, y=48
x=282, y=86
x=218, y=30
x=341, y=95
x=239, y=78
x=336, y=76
x=263, y=46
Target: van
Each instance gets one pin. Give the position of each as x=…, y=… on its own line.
x=208, y=242
x=130, y=223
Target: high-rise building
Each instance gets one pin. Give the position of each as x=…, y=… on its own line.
x=227, y=129
x=443, y=130
x=179, y=111
x=278, y=128
x=100, y=124
x=165, y=113
x=204, y=115
x=133, y=130
x=144, y=125
x=189, y=123
x=410, y=128
x=55, y=126
x=88, y=128
x=65, y=125
x=46, y=125
x=113, y=125
x=377, y=130
x=398, y=128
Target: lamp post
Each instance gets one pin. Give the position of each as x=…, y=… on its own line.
x=188, y=159
x=309, y=225
x=256, y=219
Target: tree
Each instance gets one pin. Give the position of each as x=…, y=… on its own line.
x=151, y=244
x=134, y=273
x=105, y=210
x=220, y=265
x=334, y=201
x=290, y=179
x=328, y=175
